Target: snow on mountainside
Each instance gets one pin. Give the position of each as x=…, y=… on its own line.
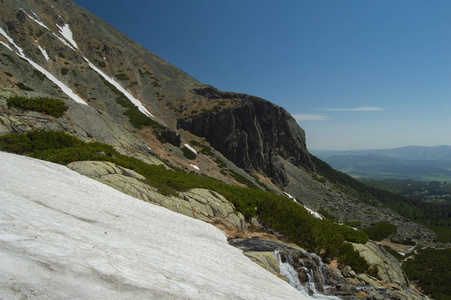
x=65, y=236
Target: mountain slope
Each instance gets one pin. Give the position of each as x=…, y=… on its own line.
x=124, y=95
x=111, y=244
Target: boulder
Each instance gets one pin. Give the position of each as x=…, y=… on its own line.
x=389, y=268
x=202, y=204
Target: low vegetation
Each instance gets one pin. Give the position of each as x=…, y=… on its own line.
x=430, y=271
x=203, y=148
x=188, y=153
x=49, y=106
x=135, y=116
x=277, y=212
x=436, y=216
x=24, y=87
x=380, y=231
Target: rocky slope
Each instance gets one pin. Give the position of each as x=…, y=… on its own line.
x=111, y=84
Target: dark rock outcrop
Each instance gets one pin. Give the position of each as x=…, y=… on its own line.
x=256, y=135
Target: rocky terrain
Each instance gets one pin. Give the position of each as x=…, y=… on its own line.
x=121, y=94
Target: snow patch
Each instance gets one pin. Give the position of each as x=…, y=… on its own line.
x=67, y=34
x=7, y=46
x=291, y=197
x=44, y=53
x=61, y=85
x=191, y=148
x=314, y=213
x=111, y=244
x=37, y=21
x=130, y=97
x=195, y=167
x=60, y=38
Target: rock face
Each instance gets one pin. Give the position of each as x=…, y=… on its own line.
x=308, y=273
x=202, y=204
x=255, y=135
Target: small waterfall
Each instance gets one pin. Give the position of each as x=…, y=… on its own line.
x=287, y=270
x=309, y=289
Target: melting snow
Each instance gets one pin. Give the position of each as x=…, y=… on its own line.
x=314, y=213
x=61, y=85
x=60, y=38
x=191, y=148
x=130, y=97
x=37, y=21
x=65, y=236
x=195, y=167
x=7, y=46
x=67, y=33
x=44, y=53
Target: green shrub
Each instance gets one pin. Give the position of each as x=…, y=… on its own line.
x=101, y=64
x=188, y=153
x=121, y=76
x=203, y=148
x=22, y=86
x=49, y=106
x=394, y=253
x=403, y=242
x=64, y=71
x=15, y=143
x=380, y=231
x=321, y=179
x=354, y=224
x=39, y=74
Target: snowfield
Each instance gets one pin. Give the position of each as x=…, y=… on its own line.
x=65, y=236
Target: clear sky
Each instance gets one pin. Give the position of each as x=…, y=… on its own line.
x=355, y=74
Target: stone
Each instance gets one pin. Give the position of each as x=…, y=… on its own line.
x=201, y=204
x=389, y=268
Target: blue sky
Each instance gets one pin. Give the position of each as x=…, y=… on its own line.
x=355, y=74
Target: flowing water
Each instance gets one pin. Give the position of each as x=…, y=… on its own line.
x=309, y=288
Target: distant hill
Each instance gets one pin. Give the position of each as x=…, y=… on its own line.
x=410, y=162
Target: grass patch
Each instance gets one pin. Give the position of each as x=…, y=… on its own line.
x=275, y=211
x=49, y=106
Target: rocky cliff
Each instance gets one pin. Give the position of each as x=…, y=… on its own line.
x=255, y=134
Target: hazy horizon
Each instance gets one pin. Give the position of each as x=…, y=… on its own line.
x=354, y=74
x=365, y=149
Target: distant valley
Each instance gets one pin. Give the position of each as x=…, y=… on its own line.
x=411, y=162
